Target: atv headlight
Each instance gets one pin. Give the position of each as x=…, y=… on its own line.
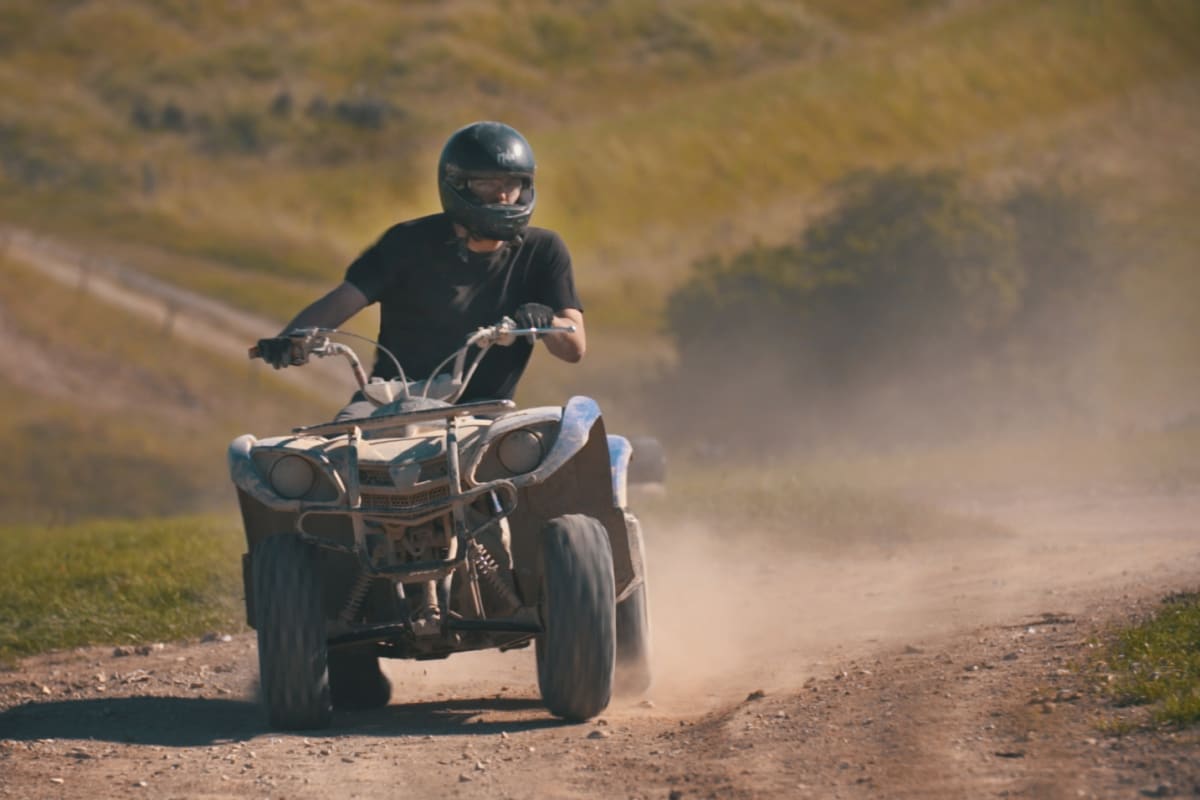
x=520, y=451
x=292, y=477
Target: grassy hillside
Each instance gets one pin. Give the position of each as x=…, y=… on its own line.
x=279, y=138
x=106, y=415
x=249, y=150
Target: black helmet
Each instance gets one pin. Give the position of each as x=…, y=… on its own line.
x=486, y=150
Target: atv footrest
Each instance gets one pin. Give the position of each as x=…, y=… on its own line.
x=395, y=630
x=390, y=630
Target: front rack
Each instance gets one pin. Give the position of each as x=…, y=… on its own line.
x=407, y=418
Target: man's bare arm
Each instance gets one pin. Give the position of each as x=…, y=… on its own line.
x=570, y=347
x=331, y=310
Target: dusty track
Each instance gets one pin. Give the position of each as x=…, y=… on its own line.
x=931, y=672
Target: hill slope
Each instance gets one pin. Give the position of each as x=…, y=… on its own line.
x=247, y=151
x=280, y=138
x=108, y=413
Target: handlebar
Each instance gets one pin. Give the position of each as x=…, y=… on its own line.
x=315, y=341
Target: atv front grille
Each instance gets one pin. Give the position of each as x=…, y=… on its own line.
x=380, y=475
x=377, y=501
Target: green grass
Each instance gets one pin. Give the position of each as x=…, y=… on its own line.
x=1157, y=662
x=118, y=582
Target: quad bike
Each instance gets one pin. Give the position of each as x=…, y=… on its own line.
x=429, y=528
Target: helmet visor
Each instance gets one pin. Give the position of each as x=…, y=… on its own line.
x=492, y=188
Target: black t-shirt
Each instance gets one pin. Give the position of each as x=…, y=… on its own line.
x=430, y=299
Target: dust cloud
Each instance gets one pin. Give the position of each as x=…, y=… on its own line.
x=729, y=619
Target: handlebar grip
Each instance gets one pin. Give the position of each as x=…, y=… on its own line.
x=255, y=352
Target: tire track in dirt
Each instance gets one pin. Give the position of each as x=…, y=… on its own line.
x=192, y=317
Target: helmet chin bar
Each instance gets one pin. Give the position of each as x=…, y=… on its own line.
x=489, y=221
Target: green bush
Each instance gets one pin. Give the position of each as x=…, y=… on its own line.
x=916, y=307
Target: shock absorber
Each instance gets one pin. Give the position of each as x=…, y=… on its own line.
x=355, y=598
x=489, y=570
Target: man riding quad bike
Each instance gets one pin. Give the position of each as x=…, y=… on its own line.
x=428, y=528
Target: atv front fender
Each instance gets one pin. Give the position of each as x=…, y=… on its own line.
x=619, y=453
x=576, y=477
x=579, y=416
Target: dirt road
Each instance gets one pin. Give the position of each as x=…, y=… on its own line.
x=950, y=671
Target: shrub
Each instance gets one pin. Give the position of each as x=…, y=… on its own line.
x=173, y=118
x=281, y=105
x=362, y=112
x=898, y=313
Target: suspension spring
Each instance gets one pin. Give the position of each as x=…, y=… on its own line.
x=355, y=598
x=489, y=570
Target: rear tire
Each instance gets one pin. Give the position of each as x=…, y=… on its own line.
x=576, y=655
x=633, y=644
x=292, y=655
x=356, y=683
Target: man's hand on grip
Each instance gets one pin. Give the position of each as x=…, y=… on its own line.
x=534, y=315
x=281, y=351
